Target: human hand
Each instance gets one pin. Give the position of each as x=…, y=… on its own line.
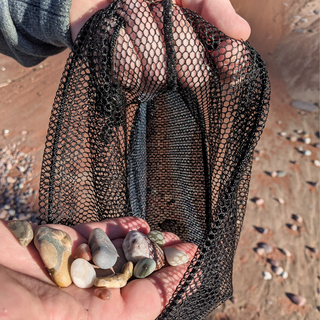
x=27, y=291
x=219, y=13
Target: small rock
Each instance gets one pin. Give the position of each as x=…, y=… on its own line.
x=259, y=201
x=297, y=217
x=175, y=257
x=6, y=131
x=283, y=134
x=284, y=275
x=281, y=201
x=262, y=230
x=24, y=132
x=304, y=20
x=117, y=280
x=273, y=174
x=104, y=253
x=299, y=131
x=286, y=252
x=313, y=250
x=307, y=153
x=102, y=293
x=267, y=275
x=293, y=139
x=12, y=212
x=22, y=230
x=281, y=174
x=301, y=149
x=82, y=273
x=293, y=227
x=279, y=122
x=144, y=268
x=260, y=251
x=274, y=263
x=316, y=163
x=296, y=299
x=277, y=270
x=256, y=158
x=83, y=251
x=11, y=180
x=157, y=237
x=3, y=69
x=265, y=246
x=54, y=247
x=302, y=105
x=307, y=140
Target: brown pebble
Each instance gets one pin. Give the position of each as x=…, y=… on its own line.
x=102, y=293
x=22, y=230
x=83, y=251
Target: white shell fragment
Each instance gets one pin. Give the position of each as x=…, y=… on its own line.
x=82, y=273
x=175, y=257
x=267, y=275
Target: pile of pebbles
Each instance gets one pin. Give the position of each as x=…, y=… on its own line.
x=140, y=256
x=16, y=193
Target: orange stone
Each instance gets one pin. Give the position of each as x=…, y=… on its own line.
x=83, y=252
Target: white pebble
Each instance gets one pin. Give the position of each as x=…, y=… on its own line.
x=267, y=275
x=259, y=201
x=307, y=140
x=283, y=134
x=12, y=212
x=284, y=275
x=307, y=153
x=175, y=257
x=82, y=273
x=11, y=180
x=277, y=270
x=316, y=163
x=3, y=69
x=6, y=131
x=281, y=201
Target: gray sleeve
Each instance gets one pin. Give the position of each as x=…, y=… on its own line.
x=32, y=30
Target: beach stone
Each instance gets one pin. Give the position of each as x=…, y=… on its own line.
x=305, y=106
x=22, y=230
x=316, y=163
x=137, y=246
x=54, y=247
x=281, y=174
x=293, y=138
x=265, y=246
x=274, y=263
x=284, y=274
x=175, y=257
x=267, y=275
x=296, y=299
x=118, y=280
x=297, y=217
x=260, y=251
x=102, y=293
x=83, y=252
x=157, y=237
x=307, y=140
x=82, y=273
x=144, y=268
x=307, y=153
x=286, y=252
x=259, y=202
x=277, y=270
x=104, y=253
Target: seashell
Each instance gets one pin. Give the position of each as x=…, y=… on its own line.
x=265, y=246
x=284, y=275
x=144, y=268
x=118, y=280
x=102, y=293
x=307, y=140
x=286, y=252
x=267, y=275
x=157, y=237
x=22, y=230
x=274, y=263
x=104, y=253
x=307, y=153
x=297, y=218
x=260, y=251
x=296, y=299
x=82, y=273
x=281, y=174
x=262, y=230
x=137, y=246
x=277, y=270
x=175, y=257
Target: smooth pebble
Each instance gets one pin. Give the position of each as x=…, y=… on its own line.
x=286, y=252
x=83, y=251
x=175, y=257
x=307, y=153
x=297, y=217
x=265, y=246
x=259, y=202
x=102, y=293
x=82, y=273
x=281, y=174
x=316, y=163
x=104, y=253
x=144, y=268
x=157, y=237
x=277, y=270
x=284, y=275
x=307, y=140
x=274, y=263
x=296, y=299
x=22, y=230
x=54, y=247
x=260, y=251
x=267, y=275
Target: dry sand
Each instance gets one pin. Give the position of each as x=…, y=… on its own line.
x=293, y=61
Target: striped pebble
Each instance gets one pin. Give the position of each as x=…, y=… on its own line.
x=175, y=257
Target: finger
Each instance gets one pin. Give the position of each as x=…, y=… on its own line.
x=114, y=228
x=171, y=238
x=221, y=14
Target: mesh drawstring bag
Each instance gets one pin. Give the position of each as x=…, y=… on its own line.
x=157, y=116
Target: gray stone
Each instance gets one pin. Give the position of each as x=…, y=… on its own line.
x=22, y=230
x=104, y=253
x=302, y=105
x=144, y=268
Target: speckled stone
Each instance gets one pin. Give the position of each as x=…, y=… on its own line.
x=102, y=293
x=144, y=268
x=157, y=237
x=22, y=230
x=118, y=280
x=137, y=246
x=104, y=253
x=83, y=251
x=54, y=247
x=82, y=273
x=175, y=257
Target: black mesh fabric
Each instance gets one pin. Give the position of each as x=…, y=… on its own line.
x=157, y=116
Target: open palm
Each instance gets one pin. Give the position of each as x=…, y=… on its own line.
x=27, y=292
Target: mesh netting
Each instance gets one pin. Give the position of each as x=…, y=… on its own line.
x=157, y=116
